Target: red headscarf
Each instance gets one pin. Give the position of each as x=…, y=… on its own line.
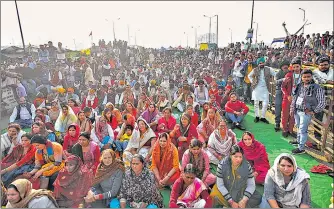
x=164, y=163
x=69, y=140
x=256, y=153
x=71, y=187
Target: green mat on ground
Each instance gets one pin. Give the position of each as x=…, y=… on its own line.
x=276, y=144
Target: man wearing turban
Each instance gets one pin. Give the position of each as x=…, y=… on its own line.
x=260, y=78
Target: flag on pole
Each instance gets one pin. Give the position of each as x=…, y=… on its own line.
x=91, y=33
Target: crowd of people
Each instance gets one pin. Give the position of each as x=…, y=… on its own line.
x=103, y=130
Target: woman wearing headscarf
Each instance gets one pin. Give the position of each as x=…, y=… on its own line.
x=208, y=125
x=163, y=102
x=21, y=195
x=11, y=138
x=39, y=128
x=127, y=96
x=87, y=150
x=73, y=183
x=286, y=185
x=107, y=181
x=143, y=102
x=167, y=122
x=165, y=161
x=139, y=188
x=19, y=161
x=48, y=161
x=189, y=191
x=54, y=112
x=66, y=118
x=151, y=116
x=183, y=133
x=84, y=123
x=256, y=154
x=71, y=137
x=200, y=160
x=220, y=143
x=102, y=133
x=141, y=142
x=235, y=185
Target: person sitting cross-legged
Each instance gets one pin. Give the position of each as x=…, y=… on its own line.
x=236, y=110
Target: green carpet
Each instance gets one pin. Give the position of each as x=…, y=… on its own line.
x=276, y=144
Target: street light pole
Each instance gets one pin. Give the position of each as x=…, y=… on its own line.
x=250, y=41
x=303, y=18
x=257, y=27
x=195, y=29
x=217, y=32
x=231, y=35
x=18, y=17
x=210, y=26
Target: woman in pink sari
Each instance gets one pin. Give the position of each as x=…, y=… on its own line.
x=256, y=155
x=167, y=122
x=208, y=125
x=200, y=160
x=189, y=191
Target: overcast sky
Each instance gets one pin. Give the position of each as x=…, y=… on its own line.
x=159, y=23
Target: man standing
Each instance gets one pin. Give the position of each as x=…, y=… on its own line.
x=260, y=78
x=308, y=99
x=290, y=82
x=323, y=75
x=248, y=68
x=236, y=110
x=284, y=68
x=23, y=113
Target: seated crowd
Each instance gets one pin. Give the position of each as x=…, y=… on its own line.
x=122, y=144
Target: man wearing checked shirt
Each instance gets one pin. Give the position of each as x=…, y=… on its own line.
x=308, y=99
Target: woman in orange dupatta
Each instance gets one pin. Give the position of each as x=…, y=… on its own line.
x=165, y=161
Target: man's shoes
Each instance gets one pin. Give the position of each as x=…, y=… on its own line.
x=297, y=151
x=293, y=134
x=257, y=119
x=264, y=120
x=285, y=134
x=233, y=125
x=293, y=143
x=277, y=127
x=239, y=126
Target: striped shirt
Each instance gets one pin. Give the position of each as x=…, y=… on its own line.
x=304, y=91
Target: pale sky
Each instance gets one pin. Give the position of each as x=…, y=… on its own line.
x=159, y=23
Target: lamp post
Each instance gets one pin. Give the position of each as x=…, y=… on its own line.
x=210, y=26
x=195, y=28
x=136, y=36
x=18, y=18
x=257, y=27
x=303, y=18
x=231, y=34
x=250, y=40
x=113, y=27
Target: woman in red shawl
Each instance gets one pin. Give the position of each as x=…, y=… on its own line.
x=73, y=183
x=183, y=133
x=214, y=88
x=71, y=137
x=167, y=122
x=165, y=161
x=256, y=155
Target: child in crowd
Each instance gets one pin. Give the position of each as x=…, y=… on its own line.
x=122, y=143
